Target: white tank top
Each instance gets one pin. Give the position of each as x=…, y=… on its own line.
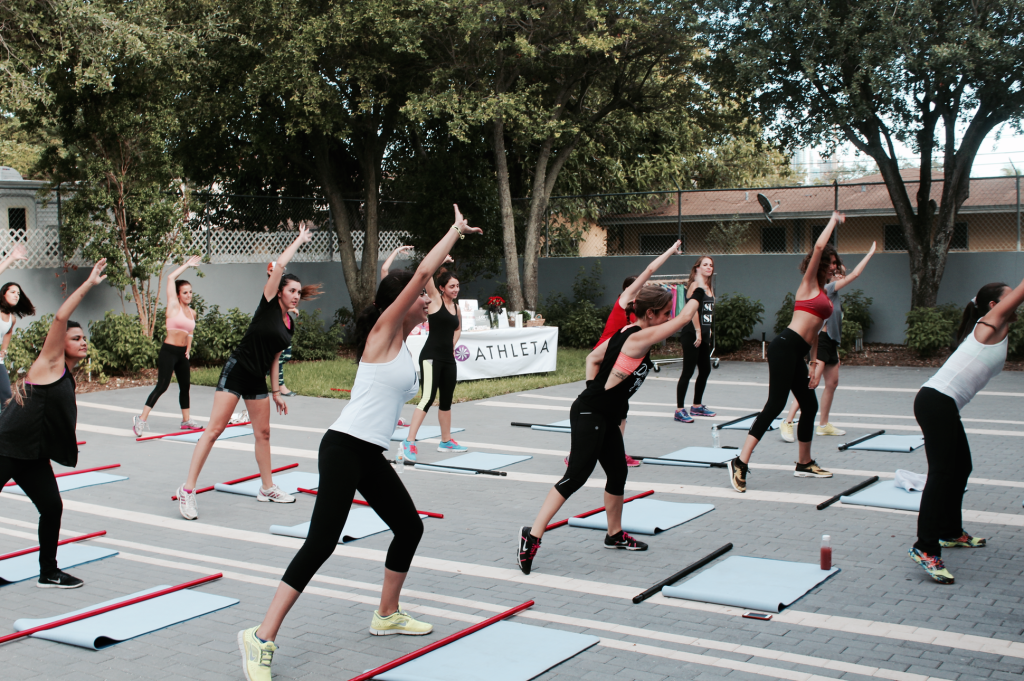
x=6, y=326
x=969, y=369
x=378, y=394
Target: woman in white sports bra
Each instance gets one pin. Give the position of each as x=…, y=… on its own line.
x=980, y=355
x=13, y=302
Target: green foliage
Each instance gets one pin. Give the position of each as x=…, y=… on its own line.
x=310, y=341
x=736, y=316
x=1015, y=336
x=851, y=327
x=217, y=334
x=579, y=321
x=27, y=342
x=856, y=308
x=929, y=329
x=785, y=314
x=121, y=344
x=344, y=325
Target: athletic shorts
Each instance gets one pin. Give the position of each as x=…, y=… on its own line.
x=237, y=381
x=828, y=349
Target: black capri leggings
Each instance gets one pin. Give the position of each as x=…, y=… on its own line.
x=437, y=377
x=788, y=373
x=171, y=360
x=949, y=467
x=35, y=477
x=694, y=358
x=594, y=439
x=347, y=465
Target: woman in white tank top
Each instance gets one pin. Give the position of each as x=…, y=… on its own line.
x=980, y=355
x=13, y=302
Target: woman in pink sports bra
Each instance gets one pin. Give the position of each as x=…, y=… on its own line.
x=786, y=369
x=177, y=347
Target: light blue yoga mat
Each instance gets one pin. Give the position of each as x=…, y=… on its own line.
x=482, y=460
x=556, y=427
x=885, y=494
x=424, y=433
x=362, y=522
x=699, y=457
x=235, y=431
x=646, y=516
x=70, y=482
x=289, y=484
x=69, y=555
x=504, y=651
x=103, y=631
x=752, y=583
x=745, y=424
x=890, y=443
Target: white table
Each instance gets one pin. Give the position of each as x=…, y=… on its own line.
x=501, y=352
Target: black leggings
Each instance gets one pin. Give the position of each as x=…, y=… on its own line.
x=437, y=377
x=347, y=465
x=949, y=467
x=171, y=360
x=694, y=358
x=788, y=373
x=594, y=439
x=35, y=477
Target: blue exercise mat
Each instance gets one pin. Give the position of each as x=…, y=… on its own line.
x=482, y=460
x=646, y=516
x=68, y=556
x=890, y=443
x=746, y=423
x=103, y=631
x=752, y=583
x=289, y=484
x=885, y=494
x=556, y=427
x=424, y=433
x=236, y=431
x=699, y=457
x=362, y=522
x=70, y=482
x=504, y=651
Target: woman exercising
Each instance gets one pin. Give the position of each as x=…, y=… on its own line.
x=38, y=424
x=352, y=459
x=244, y=378
x=980, y=355
x=13, y=303
x=786, y=369
x=438, y=371
x=615, y=370
x=697, y=342
x=176, y=350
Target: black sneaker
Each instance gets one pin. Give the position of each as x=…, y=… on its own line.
x=738, y=474
x=623, y=540
x=59, y=580
x=528, y=545
x=810, y=470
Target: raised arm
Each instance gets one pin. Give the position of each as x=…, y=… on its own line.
x=386, y=267
x=48, y=366
x=850, y=277
x=274, y=280
x=18, y=252
x=634, y=288
x=1002, y=313
x=638, y=344
x=810, y=280
x=172, y=294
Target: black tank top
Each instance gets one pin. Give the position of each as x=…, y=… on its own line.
x=443, y=325
x=44, y=426
x=612, y=403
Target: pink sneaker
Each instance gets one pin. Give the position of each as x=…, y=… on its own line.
x=403, y=424
x=631, y=462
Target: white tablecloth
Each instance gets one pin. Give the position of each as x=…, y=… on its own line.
x=501, y=352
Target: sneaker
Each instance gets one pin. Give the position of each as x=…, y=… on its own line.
x=701, y=411
x=828, y=429
x=398, y=622
x=451, y=446
x=786, y=431
x=630, y=462
x=189, y=425
x=566, y=462
x=256, y=655
x=528, y=546
x=274, y=494
x=623, y=540
x=187, y=506
x=138, y=425
x=682, y=416
x=402, y=424
x=964, y=541
x=810, y=470
x=409, y=451
x=738, y=474
x=59, y=580
x=933, y=565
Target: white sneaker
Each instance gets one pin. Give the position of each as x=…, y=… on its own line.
x=274, y=494
x=828, y=429
x=138, y=425
x=187, y=504
x=786, y=431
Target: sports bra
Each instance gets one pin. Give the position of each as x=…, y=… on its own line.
x=819, y=306
x=181, y=322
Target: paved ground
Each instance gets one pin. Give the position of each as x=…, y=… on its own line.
x=878, y=617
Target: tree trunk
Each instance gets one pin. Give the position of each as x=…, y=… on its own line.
x=508, y=222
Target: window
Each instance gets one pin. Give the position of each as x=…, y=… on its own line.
x=893, y=238
x=773, y=239
x=17, y=218
x=656, y=244
x=816, y=232
x=958, y=242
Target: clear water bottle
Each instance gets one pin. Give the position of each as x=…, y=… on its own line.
x=714, y=437
x=400, y=462
x=826, y=552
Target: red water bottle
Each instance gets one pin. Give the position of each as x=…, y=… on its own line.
x=826, y=552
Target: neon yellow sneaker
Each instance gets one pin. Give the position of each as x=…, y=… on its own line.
x=964, y=541
x=933, y=565
x=256, y=655
x=828, y=429
x=786, y=431
x=398, y=622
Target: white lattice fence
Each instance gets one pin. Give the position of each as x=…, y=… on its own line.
x=244, y=247
x=43, y=246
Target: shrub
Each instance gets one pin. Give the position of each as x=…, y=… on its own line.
x=855, y=308
x=735, y=318
x=311, y=341
x=121, y=344
x=1015, y=337
x=851, y=327
x=26, y=343
x=929, y=329
x=218, y=334
x=580, y=321
x=344, y=325
x=785, y=314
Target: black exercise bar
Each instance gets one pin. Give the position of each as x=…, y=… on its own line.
x=856, y=488
x=682, y=573
x=846, y=446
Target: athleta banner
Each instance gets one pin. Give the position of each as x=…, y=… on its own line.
x=501, y=352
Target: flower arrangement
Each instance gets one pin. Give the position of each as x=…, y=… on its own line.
x=494, y=306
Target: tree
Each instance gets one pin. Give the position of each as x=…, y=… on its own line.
x=937, y=75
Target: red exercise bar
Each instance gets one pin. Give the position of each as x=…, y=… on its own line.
x=437, y=644
x=363, y=503
x=341, y=390
x=61, y=542
x=84, y=470
x=596, y=510
x=232, y=482
x=108, y=608
x=186, y=432
x=82, y=442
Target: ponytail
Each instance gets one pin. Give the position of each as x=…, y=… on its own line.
x=388, y=290
x=306, y=292
x=977, y=308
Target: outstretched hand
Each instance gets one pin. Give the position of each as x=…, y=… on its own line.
x=871, y=251
x=305, y=235
x=838, y=217
x=194, y=261
x=447, y=259
x=402, y=249
x=18, y=252
x=677, y=247
x=96, y=276
x=462, y=224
